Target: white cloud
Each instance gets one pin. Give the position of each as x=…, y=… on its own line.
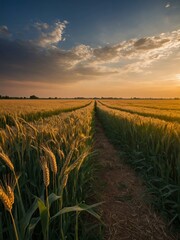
x=138, y=54
x=83, y=51
x=168, y=5
x=52, y=35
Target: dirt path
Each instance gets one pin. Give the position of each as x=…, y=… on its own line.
x=125, y=213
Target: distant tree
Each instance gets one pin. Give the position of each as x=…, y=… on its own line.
x=33, y=97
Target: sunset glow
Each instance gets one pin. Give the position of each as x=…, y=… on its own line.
x=89, y=48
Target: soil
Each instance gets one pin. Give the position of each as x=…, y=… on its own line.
x=126, y=213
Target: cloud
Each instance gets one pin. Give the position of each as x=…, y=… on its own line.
x=83, y=52
x=131, y=49
x=107, y=53
x=4, y=32
x=167, y=5
x=26, y=61
x=150, y=43
x=41, y=60
x=50, y=35
x=137, y=54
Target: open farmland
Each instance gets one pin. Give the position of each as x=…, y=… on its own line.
x=48, y=172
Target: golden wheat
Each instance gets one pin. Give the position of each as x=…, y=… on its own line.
x=6, y=160
x=5, y=199
x=52, y=159
x=45, y=169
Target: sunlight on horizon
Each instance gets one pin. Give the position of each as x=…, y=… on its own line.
x=97, y=49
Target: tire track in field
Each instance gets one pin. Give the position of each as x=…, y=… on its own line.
x=125, y=213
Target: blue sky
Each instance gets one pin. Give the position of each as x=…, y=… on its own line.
x=86, y=33
x=93, y=22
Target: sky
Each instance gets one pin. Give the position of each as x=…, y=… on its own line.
x=88, y=48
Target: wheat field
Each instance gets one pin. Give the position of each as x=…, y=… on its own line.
x=47, y=167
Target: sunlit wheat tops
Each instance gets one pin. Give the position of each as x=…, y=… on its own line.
x=6, y=160
x=51, y=158
x=7, y=192
x=7, y=198
x=45, y=169
x=10, y=194
x=10, y=183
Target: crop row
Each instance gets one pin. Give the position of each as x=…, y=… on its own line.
x=7, y=117
x=166, y=115
x=160, y=104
